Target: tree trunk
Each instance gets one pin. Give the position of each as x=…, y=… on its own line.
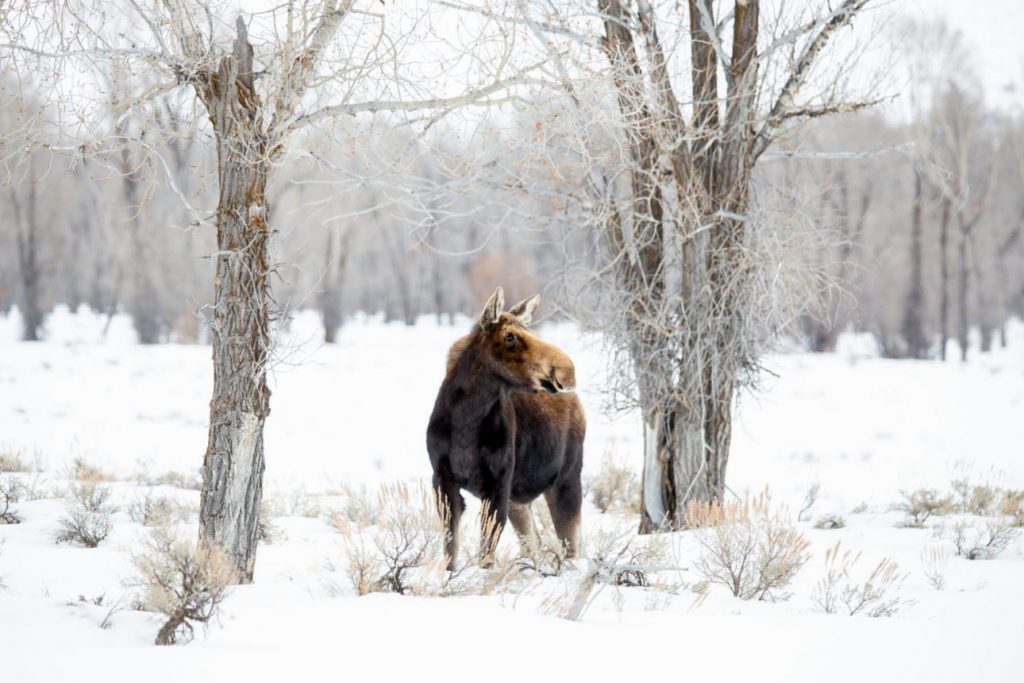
x=233, y=466
x=27, y=236
x=913, y=327
x=987, y=334
x=143, y=305
x=330, y=297
x=963, y=322
x=679, y=250
x=944, y=279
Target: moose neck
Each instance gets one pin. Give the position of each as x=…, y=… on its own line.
x=474, y=388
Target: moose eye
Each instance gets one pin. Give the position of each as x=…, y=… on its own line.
x=510, y=340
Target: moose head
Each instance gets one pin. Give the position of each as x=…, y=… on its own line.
x=518, y=356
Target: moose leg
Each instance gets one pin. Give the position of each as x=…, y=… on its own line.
x=450, y=505
x=493, y=515
x=522, y=521
x=565, y=501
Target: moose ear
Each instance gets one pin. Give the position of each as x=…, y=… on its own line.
x=525, y=309
x=492, y=309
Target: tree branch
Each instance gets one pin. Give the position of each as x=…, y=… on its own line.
x=469, y=97
x=839, y=18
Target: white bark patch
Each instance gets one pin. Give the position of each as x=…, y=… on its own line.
x=653, y=477
x=244, y=438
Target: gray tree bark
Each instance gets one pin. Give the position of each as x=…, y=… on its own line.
x=143, y=306
x=234, y=461
x=963, y=284
x=944, y=277
x=916, y=343
x=679, y=255
x=27, y=238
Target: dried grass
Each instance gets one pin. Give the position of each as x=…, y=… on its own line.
x=82, y=470
x=934, y=560
x=874, y=596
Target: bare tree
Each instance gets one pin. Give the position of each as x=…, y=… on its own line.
x=256, y=101
x=28, y=230
x=914, y=338
x=679, y=277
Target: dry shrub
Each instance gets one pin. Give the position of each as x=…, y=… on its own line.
x=546, y=560
x=810, y=498
x=184, y=581
x=81, y=469
x=11, y=491
x=975, y=499
x=179, y=480
x=625, y=559
x=87, y=518
x=359, y=506
x=922, y=504
x=152, y=510
x=293, y=504
x=874, y=596
x=619, y=558
x=982, y=540
x=13, y=461
x=1011, y=504
x=401, y=550
x=933, y=562
x=267, y=530
x=39, y=487
x=407, y=536
x=831, y=521
x=615, y=487
x=748, y=546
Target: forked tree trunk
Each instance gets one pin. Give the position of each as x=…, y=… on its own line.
x=233, y=466
x=683, y=243
x=686, y=452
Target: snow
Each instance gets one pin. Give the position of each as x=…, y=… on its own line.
x=860, y=427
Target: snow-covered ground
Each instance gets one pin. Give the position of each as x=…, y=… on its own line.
x=859, y=427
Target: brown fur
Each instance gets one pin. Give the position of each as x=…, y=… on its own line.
x=507, y=428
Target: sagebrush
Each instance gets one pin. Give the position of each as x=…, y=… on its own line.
x=87, y=518
x=749, y=546
x=11, y=491
x=184, y=581
x=922, y=504
x=874, y=596
x=614, y=487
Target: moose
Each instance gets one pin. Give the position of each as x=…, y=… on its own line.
x=507, y=427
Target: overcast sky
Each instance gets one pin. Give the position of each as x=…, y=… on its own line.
x=994, y=29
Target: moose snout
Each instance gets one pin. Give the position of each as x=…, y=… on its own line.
x=563, y=378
